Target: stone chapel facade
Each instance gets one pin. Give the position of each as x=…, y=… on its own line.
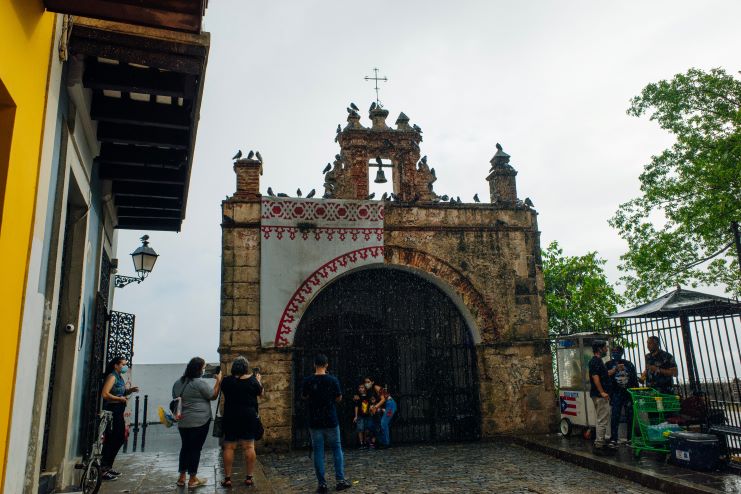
x=476, y=329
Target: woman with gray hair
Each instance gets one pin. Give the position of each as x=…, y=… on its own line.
x=240, y=421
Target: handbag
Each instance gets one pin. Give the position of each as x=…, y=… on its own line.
x=176, y=405
x=218, y=430
x=259, y=429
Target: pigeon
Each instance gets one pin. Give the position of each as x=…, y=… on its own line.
x=258, y=156
x=432, y=172
x=370, y=196
x=311, y=194
x=444, y=197
x=393, y=197
x=499, y=147
x=352, y=105
x=298, y=192
x=458, y=200
x=417, y=128
x=373, y=106
x=350, y=110
x=238, y=155
x=281, y=194
x=327, y=168
x=476, y=198
x=327, y=195
x=339, y=128
x=378, y=160
x=337, y=157
x=424, y=159
x=528, y=202
x=270, y=192
x=250, y=155
x=452, y=200
x=385, y=196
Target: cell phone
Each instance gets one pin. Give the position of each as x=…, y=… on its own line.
x=211, y=370
x=255, y=370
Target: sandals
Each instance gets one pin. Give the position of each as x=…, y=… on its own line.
x=227, y=482
x=198, y=483
x=180, y=483
x=248, y=481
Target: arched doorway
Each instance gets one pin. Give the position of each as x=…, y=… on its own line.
x=405, y=332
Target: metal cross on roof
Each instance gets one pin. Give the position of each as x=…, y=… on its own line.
x=376, y=79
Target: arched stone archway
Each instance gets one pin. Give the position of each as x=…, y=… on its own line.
x=407, y=333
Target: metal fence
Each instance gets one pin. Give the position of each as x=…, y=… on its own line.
x=706, y=346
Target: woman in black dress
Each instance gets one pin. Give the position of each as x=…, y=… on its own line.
x=240, y=419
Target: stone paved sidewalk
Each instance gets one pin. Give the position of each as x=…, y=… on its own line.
x=469, y=468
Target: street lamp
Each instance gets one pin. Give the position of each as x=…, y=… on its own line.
x=144, y=258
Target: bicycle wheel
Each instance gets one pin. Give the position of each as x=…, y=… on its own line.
x=91, y=478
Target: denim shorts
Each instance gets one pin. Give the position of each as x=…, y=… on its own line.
x=363, y=424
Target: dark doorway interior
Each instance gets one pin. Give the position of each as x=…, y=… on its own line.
x=405, y=333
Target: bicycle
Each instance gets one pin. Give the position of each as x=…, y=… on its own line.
x=92, y=475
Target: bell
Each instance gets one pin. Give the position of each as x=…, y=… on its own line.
x=380, y=177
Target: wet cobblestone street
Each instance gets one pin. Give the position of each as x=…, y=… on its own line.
x=470, y=467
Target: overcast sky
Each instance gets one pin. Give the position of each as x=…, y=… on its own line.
x=550, y=81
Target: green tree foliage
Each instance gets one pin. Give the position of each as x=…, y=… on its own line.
x=577, y=293
x=690, y=193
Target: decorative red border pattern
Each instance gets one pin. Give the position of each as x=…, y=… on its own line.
x=342, y=234
x=321, y=210
x=321, y=276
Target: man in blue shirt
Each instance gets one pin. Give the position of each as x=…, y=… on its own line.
x=321, y=391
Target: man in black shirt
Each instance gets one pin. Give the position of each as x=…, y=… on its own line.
x=599, y=377
x=322, y=391
x=660, y=367
x=624, y=377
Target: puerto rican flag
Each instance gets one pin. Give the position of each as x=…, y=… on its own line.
x=568, y=405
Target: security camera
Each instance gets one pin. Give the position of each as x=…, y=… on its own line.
x=69, y=328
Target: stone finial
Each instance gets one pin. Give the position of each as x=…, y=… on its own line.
x=378, y=117
x=402, y=123
x=502, y=182
x=248, y=171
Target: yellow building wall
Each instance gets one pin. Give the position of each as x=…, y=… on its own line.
x=26, y=46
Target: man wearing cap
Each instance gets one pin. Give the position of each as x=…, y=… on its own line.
x=661, y=368
x=599, y=377
x=624, y=377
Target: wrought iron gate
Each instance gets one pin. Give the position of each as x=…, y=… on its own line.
x=404, y=332
x=121, y=335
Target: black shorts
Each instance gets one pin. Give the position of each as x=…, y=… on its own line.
x=240, y=428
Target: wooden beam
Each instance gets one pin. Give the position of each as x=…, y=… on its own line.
x=125, y=78
x=164, y=191
x=144, y=15
x=175, y=62
x=163, y=214
x=142, y=174
x=144, y=135
x=149, y=224
x=122, y=154
x=126, y=111
x=147, y=203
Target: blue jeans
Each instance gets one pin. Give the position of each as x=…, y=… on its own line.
x=384, y=434
x=619, y=400
x=331, y=437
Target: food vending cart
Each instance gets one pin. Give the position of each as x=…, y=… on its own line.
x=573, y=353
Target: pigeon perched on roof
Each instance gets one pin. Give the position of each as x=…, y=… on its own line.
x=238, y=155
x=476, y=198
x=339, y=128
x=379, y=161
x=444, y=197
x=432, y=172
x=452, y=200
x=298, y=192
x=417, y=128
x=499, y=147
x=385, y=196
x=337, y=157
x=354, y=107
x=250, y=155
x=370, y=196
x=458, y=200
x=393, y=197
x=281, y=194
x=270, y=192
x=424, y=159
x=258, y=156
x=528, y=202
x=373, y=106
x=327, y=168
x=311, y=194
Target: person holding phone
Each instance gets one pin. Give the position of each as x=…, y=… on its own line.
x=240, y=422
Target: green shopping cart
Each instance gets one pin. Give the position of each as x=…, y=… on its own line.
x=650, y=409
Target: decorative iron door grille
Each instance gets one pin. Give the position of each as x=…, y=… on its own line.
x=95, y=372
x=121, y=335
x=405, y=333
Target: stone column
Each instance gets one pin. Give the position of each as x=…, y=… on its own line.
x=502, y=183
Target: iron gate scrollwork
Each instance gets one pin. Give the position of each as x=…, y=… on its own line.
x=121, y=335
x=406, y=333
x=95, y=371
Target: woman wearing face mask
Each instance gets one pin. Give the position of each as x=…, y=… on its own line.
x=114, y=401
x=196, y=395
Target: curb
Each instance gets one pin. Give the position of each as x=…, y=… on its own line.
x=616, y=469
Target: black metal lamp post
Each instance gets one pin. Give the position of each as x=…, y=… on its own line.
x=144, y=258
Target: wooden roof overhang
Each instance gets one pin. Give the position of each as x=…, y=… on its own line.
x=146, y=88
x=179, y=15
